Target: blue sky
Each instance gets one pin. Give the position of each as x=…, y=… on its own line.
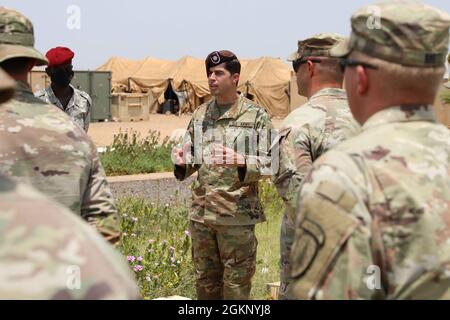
x=170, y=29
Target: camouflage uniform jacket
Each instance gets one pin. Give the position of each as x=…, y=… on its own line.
x=306, y=133
x=78, y=108
x=46, y=252
x=43, y=147
x=228, y=196
x=374, y=218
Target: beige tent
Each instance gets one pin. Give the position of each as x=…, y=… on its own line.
x=185, y=75
x=266, y=79
x=121, y=69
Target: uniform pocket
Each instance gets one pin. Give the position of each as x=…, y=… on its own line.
x=246, y=249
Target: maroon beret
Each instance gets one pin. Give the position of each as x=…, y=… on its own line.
x=59, y=56
x=217, y=57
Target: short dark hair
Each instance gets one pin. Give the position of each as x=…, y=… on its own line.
x=15, y=65
x=233, y=66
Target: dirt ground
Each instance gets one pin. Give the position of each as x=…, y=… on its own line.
x=102, y=133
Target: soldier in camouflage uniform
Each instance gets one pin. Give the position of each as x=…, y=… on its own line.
x=48, y=253
x=76, y=103
x=373, y=218
x=310, y=130
x=225, y=205
x=7, y=85
x=447, y=85
x=41, y=145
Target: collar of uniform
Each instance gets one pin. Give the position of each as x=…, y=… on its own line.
x=334, y=92
x=233, y=112
x=55, y=101
x=401, y=114
x=24, y=93
x=23, y=89
x=52, y=97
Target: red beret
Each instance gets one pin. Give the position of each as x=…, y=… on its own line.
x=59, y=56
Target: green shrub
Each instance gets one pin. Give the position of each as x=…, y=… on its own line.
x=131, y=154
x=157, y=233
x=157, y=245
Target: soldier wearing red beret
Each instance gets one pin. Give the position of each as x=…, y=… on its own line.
x=76, y=103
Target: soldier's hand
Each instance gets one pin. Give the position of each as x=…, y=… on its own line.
x=227, y=157
x=179, y=154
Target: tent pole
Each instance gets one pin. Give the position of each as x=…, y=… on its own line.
x=187, y=95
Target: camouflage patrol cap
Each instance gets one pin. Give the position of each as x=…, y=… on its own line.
x=6, y=86
x=17, y=37
x=403, y=32
x=318, y=45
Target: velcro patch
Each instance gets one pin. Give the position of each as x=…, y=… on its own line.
x=324, y=229
x=336, y=194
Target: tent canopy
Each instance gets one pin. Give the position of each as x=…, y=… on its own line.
x=266, y=79
x=121, y=69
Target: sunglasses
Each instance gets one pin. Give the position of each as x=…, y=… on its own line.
x=297, y=63
x=344, y=63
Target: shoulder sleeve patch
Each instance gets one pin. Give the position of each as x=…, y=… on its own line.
x=336, y=195
x=323, y=230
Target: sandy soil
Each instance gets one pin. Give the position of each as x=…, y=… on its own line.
x=102, y=133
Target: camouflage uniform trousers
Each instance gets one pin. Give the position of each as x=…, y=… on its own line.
x=287, y=234
x=224, y=260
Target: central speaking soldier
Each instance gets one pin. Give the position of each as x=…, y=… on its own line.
x=227, y=144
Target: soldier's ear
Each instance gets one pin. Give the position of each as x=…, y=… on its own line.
x=311, y=68
x=235, y=78
x=363, y=80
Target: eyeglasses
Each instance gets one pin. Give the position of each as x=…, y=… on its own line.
x=297, y=63
x=354, y=63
